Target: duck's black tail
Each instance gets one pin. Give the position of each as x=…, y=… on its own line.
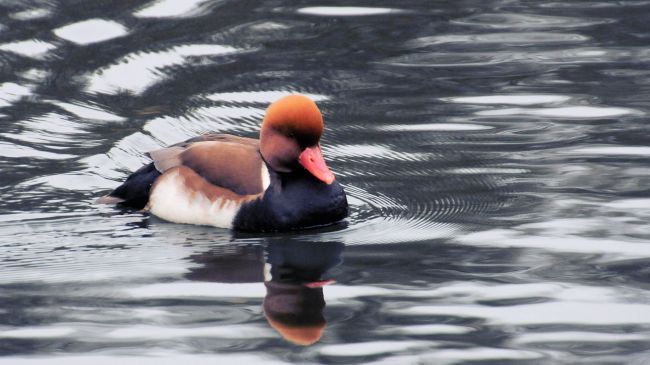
x=134, y=192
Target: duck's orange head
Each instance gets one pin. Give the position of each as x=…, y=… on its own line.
x=290, y=136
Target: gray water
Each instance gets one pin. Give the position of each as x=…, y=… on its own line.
x=495, y=154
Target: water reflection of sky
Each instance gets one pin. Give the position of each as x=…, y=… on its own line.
x=494, y=154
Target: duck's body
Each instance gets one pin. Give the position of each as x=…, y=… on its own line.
x=280, y=182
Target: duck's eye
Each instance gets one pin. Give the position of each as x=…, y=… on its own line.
x=291, y=135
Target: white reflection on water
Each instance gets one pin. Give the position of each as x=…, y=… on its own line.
x=52, y=130
x=462, y=356
x=523, y=38
x=578, y=112
x=452, y=356
x=138, y=332
x=426, y=330
x=11, y=92
x=31, y=14
x=73, y=181
x=566, y=312
x=562, y=56
x=487, y=170
x=91, y=31
x=264, y=97
x=161, y=356
x=230, y=119
x=371, y=348
x=511, y=238
x=15, y=150
x=138, y=71
x=69, y=257
x=199, y=290
x=372, y=151
x=128, y=153
x=35, y=75
x=630, y=204
x=30, y=48
x=87, y=111
x=346, y=10
x=441, y=127
x=528, y=21
x=172, y=9
x=577, y=337
x=37, y=332
x=605, y=150
x=515, y=99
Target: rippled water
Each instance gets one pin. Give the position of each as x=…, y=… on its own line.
x=495, y=155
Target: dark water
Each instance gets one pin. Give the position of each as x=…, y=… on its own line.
x=495, y=154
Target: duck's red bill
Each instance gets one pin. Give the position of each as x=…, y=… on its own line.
x=319, y=284
x=312, y=160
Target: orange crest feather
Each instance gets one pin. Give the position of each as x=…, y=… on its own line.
x=295, y=113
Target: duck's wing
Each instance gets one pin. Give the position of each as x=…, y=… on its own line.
x=223, y=160
x=223, y=138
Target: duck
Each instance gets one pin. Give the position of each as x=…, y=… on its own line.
x=278, y=182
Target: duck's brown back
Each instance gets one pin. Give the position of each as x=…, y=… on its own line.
x=226, y=161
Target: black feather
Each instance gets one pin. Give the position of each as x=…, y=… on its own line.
x=135, y=190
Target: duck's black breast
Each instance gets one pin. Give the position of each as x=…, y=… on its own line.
x=293, y=201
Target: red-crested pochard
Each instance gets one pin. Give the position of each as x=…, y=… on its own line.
x=278, y=182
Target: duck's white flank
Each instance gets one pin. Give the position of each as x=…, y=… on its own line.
x=266, y=177
x=172, y=200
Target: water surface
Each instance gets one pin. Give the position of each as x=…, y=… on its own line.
x=495, y=155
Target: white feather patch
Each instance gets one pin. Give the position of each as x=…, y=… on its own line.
x=266, y=177
x=267, y=272
x=171, y=200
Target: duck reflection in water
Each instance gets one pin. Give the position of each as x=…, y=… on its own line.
x=294, y=274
